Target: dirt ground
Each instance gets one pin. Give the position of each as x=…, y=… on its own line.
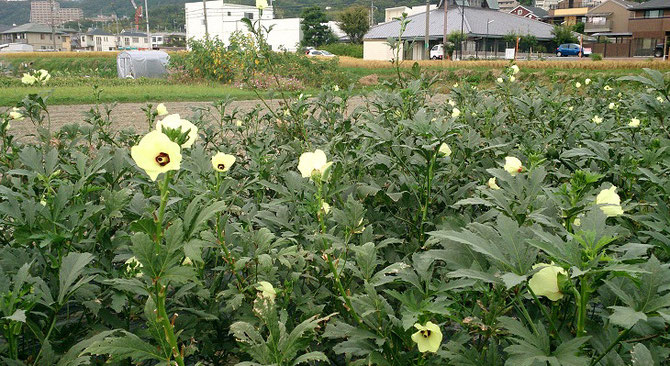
x=130, y=115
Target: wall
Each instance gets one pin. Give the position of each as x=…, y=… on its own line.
x=619, y=17
x=377, y=49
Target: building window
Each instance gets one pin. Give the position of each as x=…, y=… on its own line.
x=136, y=40
x=249, y=15
x=520, y=12
x=42, y=36
x=653, y=13
x=229, y=13
x=127, y=41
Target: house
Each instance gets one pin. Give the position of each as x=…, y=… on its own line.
x=649, y=25
x=98, y=40
x=396, y=12
x=530, y=12
x=610, y=19
x=168, y=39
x=568, y=12
x=483, y=26
x=132, y=40
x=39, y=36
x=224, y=19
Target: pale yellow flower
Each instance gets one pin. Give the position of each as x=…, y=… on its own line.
x=313, y=162
x=578, y=85
x=42, y=76
x=187, y=261
x=161, y=110
x=597, y=119
x=451, y=103
x=499, y=80
x=512, y=78
x=513, y=165
x=428, y=337
x=266, y=290
x=634, y=122
x=611, y=105
x=607, y=88
x=492, y=183
x=587, y=81
x=156, y=154
x=456, y=85
x=609, y=202
x=175, y=122
x=238, y=123
x=515, y=69
x=571, y=108
x=28, y=79
x=222, y=162
x=445, y=150
x=545, y=281
x=325, y=207
x=336, y=88
x=15, y=114
x=261, y=4
x=455, y=112
x=660, y=99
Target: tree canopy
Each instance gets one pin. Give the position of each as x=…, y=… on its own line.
x=315, y=31
x=354, y=22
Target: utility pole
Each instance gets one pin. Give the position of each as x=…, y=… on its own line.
x=204, y=12
x=460, y=38
x=53, y=24
x=146, y=10
x=444, y=31
x=372, y=13
x=426, y=40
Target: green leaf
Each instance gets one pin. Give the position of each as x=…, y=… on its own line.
x=626, y=317
x=18, y=316
x=641, y=355
x=126, y=346
x=310, y=357
x=71, y=269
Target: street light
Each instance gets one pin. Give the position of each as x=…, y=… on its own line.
x=486, y=40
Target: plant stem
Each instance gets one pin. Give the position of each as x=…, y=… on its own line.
x=164, y=188
x=429, y=183
x=544, y=311
x=616, y=341
x=331, y=265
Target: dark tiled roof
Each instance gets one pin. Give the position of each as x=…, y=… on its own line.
x=652, y=4
x=537, y=11
x=474, y=25
x=98, y=32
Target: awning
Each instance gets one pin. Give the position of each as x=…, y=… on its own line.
x=604, y=34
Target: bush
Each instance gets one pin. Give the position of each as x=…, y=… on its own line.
x=470, y=231
x=596, y=57
x=344, y=49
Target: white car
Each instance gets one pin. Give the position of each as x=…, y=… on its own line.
x=319, y=53
x=437, y=52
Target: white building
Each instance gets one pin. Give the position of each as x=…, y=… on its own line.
x=132, y=40
x=98, y=40
x=224, y=19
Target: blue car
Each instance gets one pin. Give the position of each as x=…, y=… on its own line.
x=569, y=49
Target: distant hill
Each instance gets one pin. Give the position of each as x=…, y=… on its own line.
x=18, y=12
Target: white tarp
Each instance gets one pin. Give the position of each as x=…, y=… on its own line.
x=137, y=64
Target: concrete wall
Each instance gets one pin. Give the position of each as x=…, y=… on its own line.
x=377, y=49
x=225, y=19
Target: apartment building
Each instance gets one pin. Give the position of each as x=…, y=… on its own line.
x=650, y=26
x=41, y=12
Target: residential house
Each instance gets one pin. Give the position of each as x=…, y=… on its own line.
x=98, y=40
x=39, y=36
x=224, y=19
x=396, y=12
x=483, y=25
x=568, y=12
x=610, y=19
x=649, y=25
x=530, y=12
x=132, y=40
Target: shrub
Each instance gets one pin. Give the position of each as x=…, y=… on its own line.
x=596, y=57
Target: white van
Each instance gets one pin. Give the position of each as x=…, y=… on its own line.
x=437, y=52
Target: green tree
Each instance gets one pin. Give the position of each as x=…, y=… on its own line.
x=315, y=32
x=563, y=34
x=354, y=22
x=528, y=42
x=579, y=27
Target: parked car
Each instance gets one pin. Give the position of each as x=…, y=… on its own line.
x=321, y=53
x=570, y=49
x=437, y=52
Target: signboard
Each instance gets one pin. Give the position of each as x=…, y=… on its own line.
x=509, y=53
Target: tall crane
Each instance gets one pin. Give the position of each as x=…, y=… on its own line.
x=138, y=14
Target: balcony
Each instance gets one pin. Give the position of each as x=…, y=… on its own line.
x=605, y=26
